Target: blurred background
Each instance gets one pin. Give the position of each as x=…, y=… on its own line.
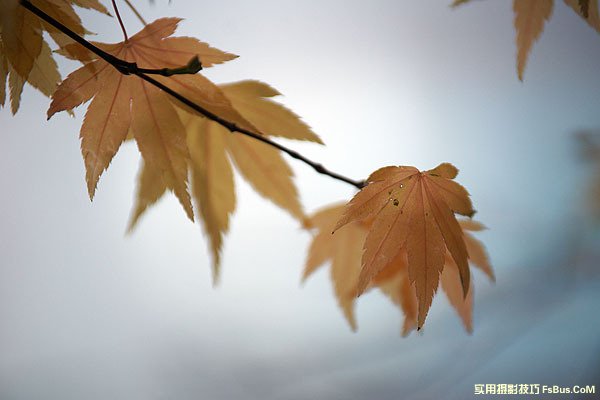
x=87, y=312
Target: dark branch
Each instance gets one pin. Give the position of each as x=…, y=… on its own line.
x=129, y=68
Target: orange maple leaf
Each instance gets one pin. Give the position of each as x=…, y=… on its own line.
x=395, y=283
x=24, y=55
x=344, y=251
x=123, y=103
x=414, y=211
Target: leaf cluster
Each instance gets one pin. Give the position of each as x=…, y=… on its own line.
x=399, y=233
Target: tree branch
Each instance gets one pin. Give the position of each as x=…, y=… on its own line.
x=129, y=68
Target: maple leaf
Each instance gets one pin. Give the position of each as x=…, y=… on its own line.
x=123, y=103
x=343, y=250
x=213, y=149
x=24, y=55
x=450, y=278
x=414, y=211
x=395, y=283
x=531, y=16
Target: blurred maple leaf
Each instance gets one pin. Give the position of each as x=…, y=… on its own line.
x=344, y=249
x=24, y=55
x=531, y=17
x=213, y=148
x=413, y=211
x=124, y=103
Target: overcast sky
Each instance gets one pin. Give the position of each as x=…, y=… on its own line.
x=89, y=313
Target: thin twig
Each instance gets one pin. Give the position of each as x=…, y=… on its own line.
x=114, y=3
x=128, y=68
x=136, y=12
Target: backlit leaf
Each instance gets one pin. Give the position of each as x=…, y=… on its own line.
x=266, y=170
x=213, y=149
x=23, y=48
x=253, y=100
x=150, y=189
x=344, y=253
x=411, y=212
x=530, y=17
x=343, y=250
x=122, y=104
x=394, y=281
x=212, y=182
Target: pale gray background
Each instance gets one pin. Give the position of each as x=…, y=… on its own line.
x=87, y=313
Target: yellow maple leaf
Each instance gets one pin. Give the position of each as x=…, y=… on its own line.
x=213, y=149
x=343, y=250
x=24, y=54
x=253, y=100
x=414, y=211
x=121, y=103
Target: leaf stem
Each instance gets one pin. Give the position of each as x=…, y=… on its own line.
x=128, y=68
x=118, y=14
